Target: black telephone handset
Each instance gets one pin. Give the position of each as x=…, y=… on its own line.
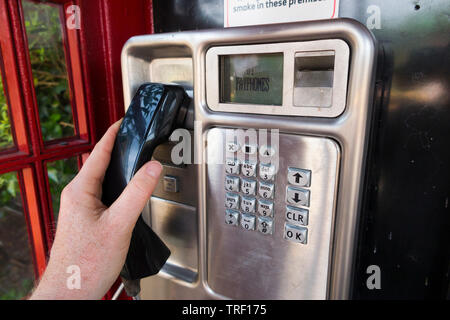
x=155, y=111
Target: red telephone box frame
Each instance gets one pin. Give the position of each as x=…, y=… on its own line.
x=93, y=65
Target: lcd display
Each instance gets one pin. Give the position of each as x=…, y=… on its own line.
x=252, y=79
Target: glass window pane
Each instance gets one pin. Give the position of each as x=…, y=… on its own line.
x=60, y=173
x=16, y=264
x=45, y=44
x=6, y=139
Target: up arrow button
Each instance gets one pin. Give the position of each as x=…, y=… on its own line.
x=299, y=177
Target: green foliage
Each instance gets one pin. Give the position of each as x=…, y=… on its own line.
x=18, y=293
x=49, y=69
x=60, y=173
x=5, y=125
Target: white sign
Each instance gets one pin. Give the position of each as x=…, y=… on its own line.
x=253, y=12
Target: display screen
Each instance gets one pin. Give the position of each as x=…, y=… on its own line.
x=252, y=79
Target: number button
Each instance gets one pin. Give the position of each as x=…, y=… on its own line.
x=249, y=169
x=265, y=225
x=232, y=166
x=248, y=204
x=248, y=187
x=266, y=190
x=248, y=222
x=232, y=217
x=232, y=201
x=265, y=208
x=267, y=172
x=232, y=183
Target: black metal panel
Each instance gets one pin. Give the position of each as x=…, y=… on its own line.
x=405, y=226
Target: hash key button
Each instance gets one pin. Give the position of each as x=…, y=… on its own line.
x=295, y=234
x=297, y=197
x=265, y=225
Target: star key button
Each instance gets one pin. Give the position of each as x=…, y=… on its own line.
x=232, y=217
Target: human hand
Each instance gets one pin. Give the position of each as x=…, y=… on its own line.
x=91, y=236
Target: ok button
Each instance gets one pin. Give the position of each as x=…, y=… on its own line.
x=295, y=234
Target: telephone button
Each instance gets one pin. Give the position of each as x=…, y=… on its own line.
x=232, y=183
x=232, y=201
x=299, y=177
x=232, y=166
x=248, y=204
x=248, y=222
x=265, y=208
x=248, y=187
x=295, y=234
x=265, y=225
x=232, y=217
x=297, y=197
x=249, y=169
x=232, y=147
x=267, y=172
x=266, y=190
x=297, y=215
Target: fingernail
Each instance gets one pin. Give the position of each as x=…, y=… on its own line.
x=154, y=169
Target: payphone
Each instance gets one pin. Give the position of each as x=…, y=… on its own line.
x=279, y=119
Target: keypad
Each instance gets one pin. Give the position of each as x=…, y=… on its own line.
x=250, y=188
x=250, y=196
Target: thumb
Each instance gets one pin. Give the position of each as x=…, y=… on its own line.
x=127, y=208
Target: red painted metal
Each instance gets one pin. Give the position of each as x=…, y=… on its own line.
x=93, y=65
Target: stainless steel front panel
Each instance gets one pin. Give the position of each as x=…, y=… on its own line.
x=348, y=129
x=249, y=265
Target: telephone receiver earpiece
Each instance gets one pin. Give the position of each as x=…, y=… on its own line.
x=155, y=111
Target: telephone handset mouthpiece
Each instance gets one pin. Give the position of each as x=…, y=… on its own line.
x=155, y=111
